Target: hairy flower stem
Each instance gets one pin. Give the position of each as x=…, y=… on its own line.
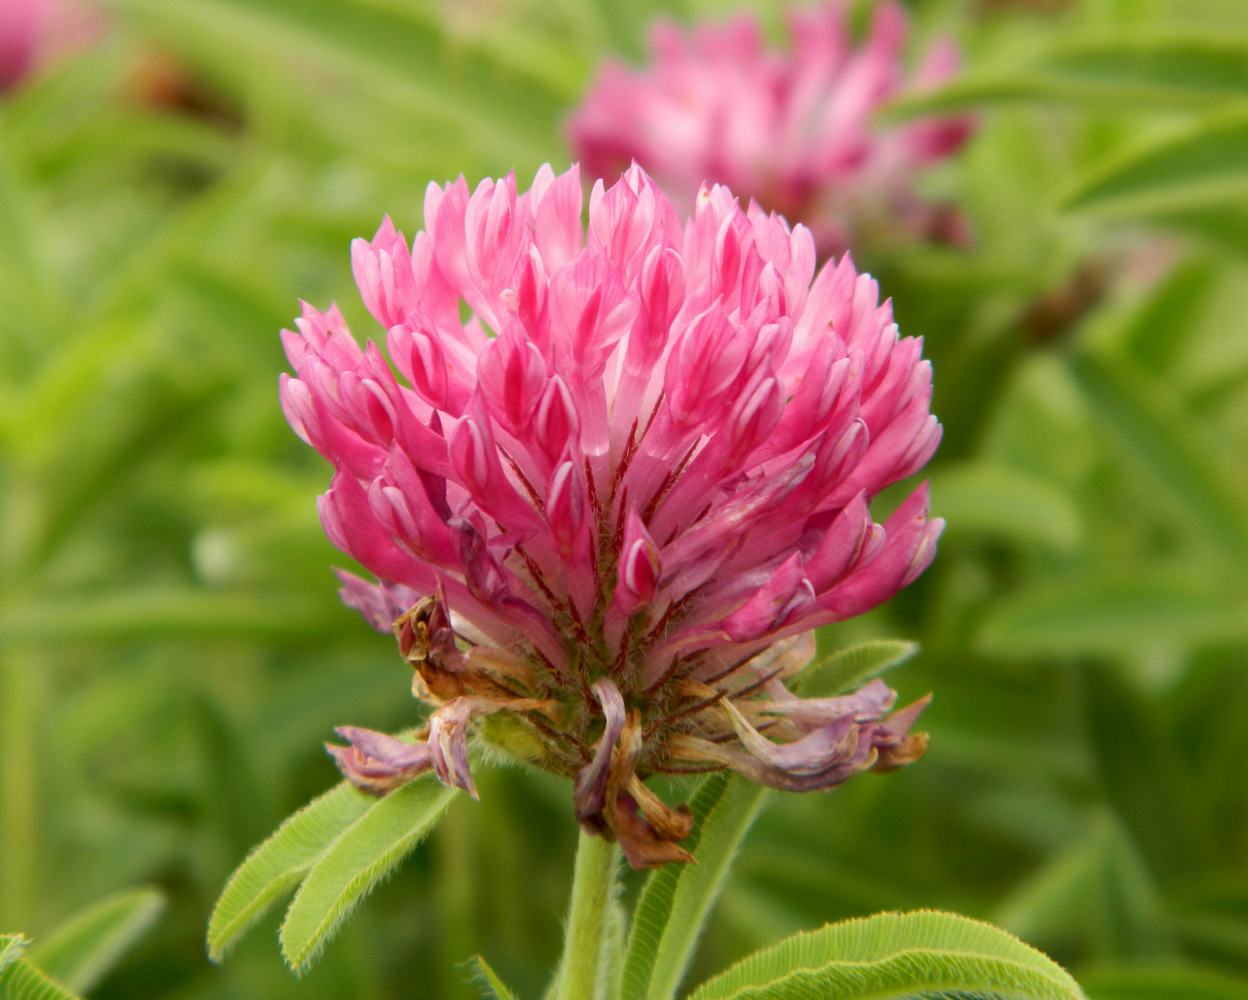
x=593, y=887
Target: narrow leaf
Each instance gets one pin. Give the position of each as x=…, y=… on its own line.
x=1164, y=984
x=1158, y=334
x=616, y=950
x=1136, y=71
x=146, y=613
x=359, y=858
x=982, y=498
x=397, y=50
x=492, y=988
x=1223, y=222
x=1144, y=771
x=1206, y=162
x=994, y=86
x=19, y=980
x=1168, y=65
x=1088, y=616
x=1096, y=893
x=677, y=899
x=277, y=865
x=80, y=952
x=849, y=669
x=654, y=907
x=896, y=956
x=1173, y=448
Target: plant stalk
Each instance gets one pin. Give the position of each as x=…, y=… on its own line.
x=581, y=970
x=20, y=709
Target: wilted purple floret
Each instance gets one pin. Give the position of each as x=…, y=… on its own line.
x=607, y=509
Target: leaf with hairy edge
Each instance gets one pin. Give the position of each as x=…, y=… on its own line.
x=355, y=861
x=677, y=899
x=19, y=980
x=11, y=948
x=896, y=956
x=1205, y=163
x=492, y=988
x=616, y=949
x=848, y=669
x=277, y=865
x=81, y=951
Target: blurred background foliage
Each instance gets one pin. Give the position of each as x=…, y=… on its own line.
x=172, y=652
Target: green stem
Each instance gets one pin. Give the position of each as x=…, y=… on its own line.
x=593, y=888
x=20, y=704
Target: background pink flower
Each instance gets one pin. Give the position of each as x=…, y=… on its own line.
x=611, y=504
x=20, y=24
x=792, y=129
x=32, y=31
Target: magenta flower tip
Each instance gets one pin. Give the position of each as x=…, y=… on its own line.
x=606, y=511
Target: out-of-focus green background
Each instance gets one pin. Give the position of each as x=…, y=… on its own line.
x=172, y=652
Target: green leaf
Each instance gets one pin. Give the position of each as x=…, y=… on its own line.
x=278, y=865
x=1220, y=221
x=11, y=948
x=1096, y=895
x=81, y=951
x=398, y=50
x=1111, y=614
x=1140, y=71
x=355, y=861
x=1210, y=931
x=1161, y=65
x=1163, y=984
x=1198, y=165
x=616, y=945
x=896, y=956
x=19, y=980
x=492, y=988
x=1173, y=448
x=989, y=499
x=1157, y=335
x=849, y=669
x=992, y=86
x=677, y=899
x=1144, y=771
x=174, y=612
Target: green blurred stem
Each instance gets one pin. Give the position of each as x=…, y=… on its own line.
x=454, y=892
x=20, y=690
x=581, y=971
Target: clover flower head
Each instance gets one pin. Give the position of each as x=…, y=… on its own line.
x=20, y=23
x=33, y=32
x=621, y=474
x=790, y=129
